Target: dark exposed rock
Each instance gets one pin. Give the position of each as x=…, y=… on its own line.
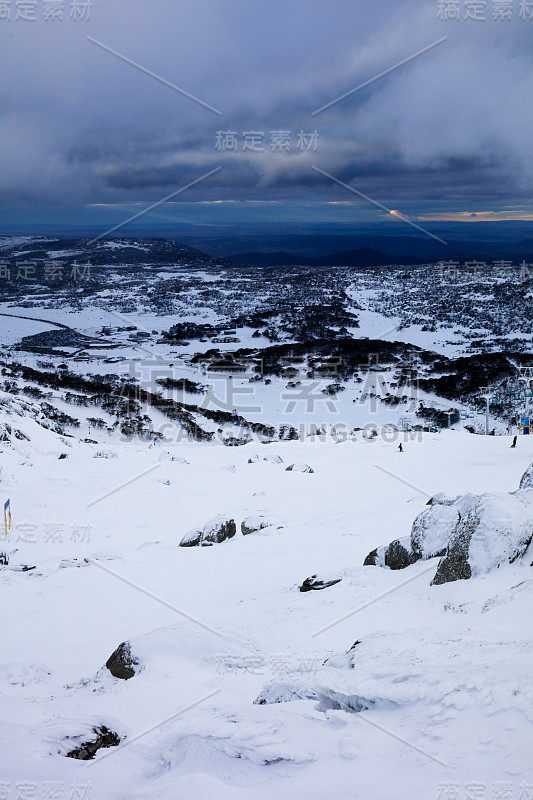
x=4, y=559
x=218, y=530
x=430, y=534
x=88, y=750
x=299, y=468
x=191, y=539
x=526, y=481
x=372, y=559
x=398, y=557
x=121, y=663
x=258, y=523
x=215, y=531
x=454, y=567
x=314, y=584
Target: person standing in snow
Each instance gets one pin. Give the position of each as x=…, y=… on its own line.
x=514, y=441
x=400, y=447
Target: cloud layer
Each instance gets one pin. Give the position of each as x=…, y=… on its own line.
x=449, y=131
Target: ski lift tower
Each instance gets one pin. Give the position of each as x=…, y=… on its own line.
x=526, y=377
x=486, y=394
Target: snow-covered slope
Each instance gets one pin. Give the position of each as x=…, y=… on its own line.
x=378, y=686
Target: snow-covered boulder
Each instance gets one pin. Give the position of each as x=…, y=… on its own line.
x=218, y=530
x=273, y=459
x=215, y=531
x=258, y=523
x=122, y=663
x=253, y=459
x=471, y=534
x=191, y=538
x=299, y=468
x=397, y=555
x=432, y=530
x=526, y=481
x=492, y=530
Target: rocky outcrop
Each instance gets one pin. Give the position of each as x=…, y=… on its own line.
x=259, y=523
x=218, y=530
x=88, y=750
x=471, y=534
x=122, y=663
x=397, y=555
x=432, y=530
x=215, y=531
x=299, y=468
x=493, y=530
x=314, y=584
x=191, y=538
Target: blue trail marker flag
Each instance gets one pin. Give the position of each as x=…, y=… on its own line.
x=7, y=515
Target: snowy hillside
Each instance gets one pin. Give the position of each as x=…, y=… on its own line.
x=242, y=685
x=252, y=543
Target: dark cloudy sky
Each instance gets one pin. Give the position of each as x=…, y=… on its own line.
x=85, y=134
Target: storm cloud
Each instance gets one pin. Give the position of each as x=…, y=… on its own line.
x=450, y=130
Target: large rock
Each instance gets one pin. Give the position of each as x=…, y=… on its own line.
x=433, y=529
x=122, y=663
x=526, y=481
x=218, y=530
x=397, y=555
x=472, y=535
x=253, y=524
x=492, y=530
x=191, y=538
x=215, y=531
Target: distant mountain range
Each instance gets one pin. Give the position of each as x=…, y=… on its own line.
x=409, y=251
x=360, y=257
